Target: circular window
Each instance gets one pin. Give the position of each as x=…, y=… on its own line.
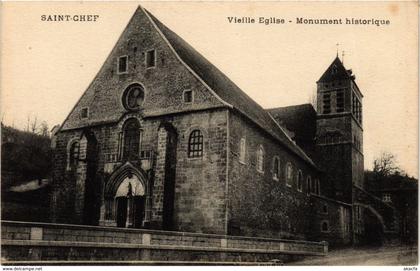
x=133, y=97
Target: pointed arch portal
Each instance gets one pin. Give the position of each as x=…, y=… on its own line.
x=127, y=197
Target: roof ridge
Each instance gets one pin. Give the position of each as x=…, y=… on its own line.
x=296, y=105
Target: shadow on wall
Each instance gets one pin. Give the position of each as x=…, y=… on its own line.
x=374, y=233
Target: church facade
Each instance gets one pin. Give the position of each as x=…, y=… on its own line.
x=161, y=139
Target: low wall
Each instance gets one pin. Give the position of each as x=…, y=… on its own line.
x=43, y=242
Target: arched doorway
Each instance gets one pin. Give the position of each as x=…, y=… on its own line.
x=127, y=198
x=130, y=202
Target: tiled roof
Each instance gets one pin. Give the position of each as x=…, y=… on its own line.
x=336, y=71
x=300, y=119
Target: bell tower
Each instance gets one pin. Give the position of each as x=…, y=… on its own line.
x=339, y=138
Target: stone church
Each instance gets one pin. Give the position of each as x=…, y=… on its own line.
x=162, y=139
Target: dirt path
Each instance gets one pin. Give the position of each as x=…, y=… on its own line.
x=395, y=255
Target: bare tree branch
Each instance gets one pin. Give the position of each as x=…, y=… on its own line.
x=43, y=129
x=385, y=165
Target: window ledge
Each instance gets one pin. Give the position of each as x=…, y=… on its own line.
x=314, y=194
x=196, y=158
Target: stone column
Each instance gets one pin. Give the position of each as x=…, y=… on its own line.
x=147, y=210
x=159, y=180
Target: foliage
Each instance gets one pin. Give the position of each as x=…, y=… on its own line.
x=385, y=165
x=386, y=174
x=25, y=153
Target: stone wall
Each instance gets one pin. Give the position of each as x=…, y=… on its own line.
x=357, y=158
x=335, y=160
x=200, y=182
x=337, y=216
x=385, y=217
x=259, y=204
x=63, y=186
x=26, y=242
x=199, y=200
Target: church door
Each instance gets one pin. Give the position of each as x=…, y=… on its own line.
x=121, y=211
x=130, y=202
x=138, y=211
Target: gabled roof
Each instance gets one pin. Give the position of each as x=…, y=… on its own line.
x=103, y=99
x=224, y=88
x=336, y=71
x=300, y=119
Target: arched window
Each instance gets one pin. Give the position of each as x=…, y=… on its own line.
x=131, y=131
x=324, y=226
x=317, y=187
x=300, y=181
x=308, y=185
x=334, y=69
x=242, y=150
x=289, y=174
x=73, y=155
x=276, y=168
x=260, y=159
x=336, y=138
x=328, y=138
x=195, y=144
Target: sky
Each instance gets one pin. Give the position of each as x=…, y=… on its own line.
x=46, y=66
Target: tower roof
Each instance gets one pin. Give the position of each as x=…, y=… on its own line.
x=336, y=71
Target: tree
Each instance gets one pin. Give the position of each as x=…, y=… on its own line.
x=34, y=125
x=385, y=165
x=312, y=99
x=31, y=124
x=43, y=129
x=26, y=154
